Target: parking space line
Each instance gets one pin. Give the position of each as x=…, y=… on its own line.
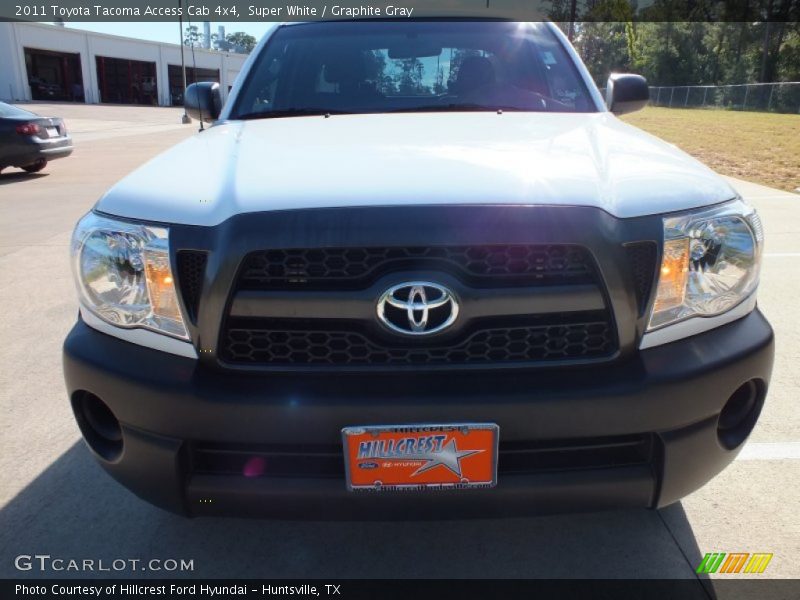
x=770, y=451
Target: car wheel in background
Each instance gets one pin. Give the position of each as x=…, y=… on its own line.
x=36, y=167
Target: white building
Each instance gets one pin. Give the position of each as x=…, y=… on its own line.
x=48, y=62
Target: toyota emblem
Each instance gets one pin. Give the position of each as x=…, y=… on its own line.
x=417, y=308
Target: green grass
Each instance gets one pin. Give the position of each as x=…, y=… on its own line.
x=759, y=147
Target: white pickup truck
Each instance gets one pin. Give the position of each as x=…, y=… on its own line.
x=417, y=267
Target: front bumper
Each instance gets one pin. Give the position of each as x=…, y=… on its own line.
x=668, y=398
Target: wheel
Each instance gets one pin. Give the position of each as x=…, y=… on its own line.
x=36, y=167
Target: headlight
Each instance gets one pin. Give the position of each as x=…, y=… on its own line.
x=710, y=262
x=123, y=274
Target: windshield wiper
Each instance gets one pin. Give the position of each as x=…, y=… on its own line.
x=312, y=112
x=460, y=108
x=291, y=112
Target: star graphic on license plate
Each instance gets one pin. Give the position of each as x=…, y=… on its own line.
x=449, y=457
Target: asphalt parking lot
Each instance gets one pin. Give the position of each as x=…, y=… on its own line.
x=54, y=500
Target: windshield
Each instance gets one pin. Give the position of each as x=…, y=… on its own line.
x=368, y=66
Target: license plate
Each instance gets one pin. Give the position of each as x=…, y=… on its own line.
x=51, y=131
x=418, y=457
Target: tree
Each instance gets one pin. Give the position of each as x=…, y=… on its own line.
x=192, y=36
x=378, y=72
x=219, y=43
x=692, y=53
x=410, y=77
x=240, y=42
x=604, y=48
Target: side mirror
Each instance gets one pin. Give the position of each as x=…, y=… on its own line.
x=626, y=93
x=203, y=101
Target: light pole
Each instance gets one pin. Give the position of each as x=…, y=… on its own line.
x=185, y=119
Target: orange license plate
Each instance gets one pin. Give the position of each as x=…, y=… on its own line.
x=416, y=457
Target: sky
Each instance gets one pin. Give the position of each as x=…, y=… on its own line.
x=167, y=32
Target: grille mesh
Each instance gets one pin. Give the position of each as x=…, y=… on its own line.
x=191, y=269
x=320, y=342
x=343, y=267
x=642, y=258
x=590, y=339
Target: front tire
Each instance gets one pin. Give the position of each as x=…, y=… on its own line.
x=36, y=167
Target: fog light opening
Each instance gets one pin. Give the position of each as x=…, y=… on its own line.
x=99, y=426
x=740, y=413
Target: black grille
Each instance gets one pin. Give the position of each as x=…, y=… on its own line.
x=267, y=340
x=514, y=458
x=351, y=267
x=547, y=342
x=191, y=269
x=642, y=258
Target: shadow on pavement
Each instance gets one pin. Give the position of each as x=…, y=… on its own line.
x=7, y=177
x=74, y=510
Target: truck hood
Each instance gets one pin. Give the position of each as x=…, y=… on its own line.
x=415, y=159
